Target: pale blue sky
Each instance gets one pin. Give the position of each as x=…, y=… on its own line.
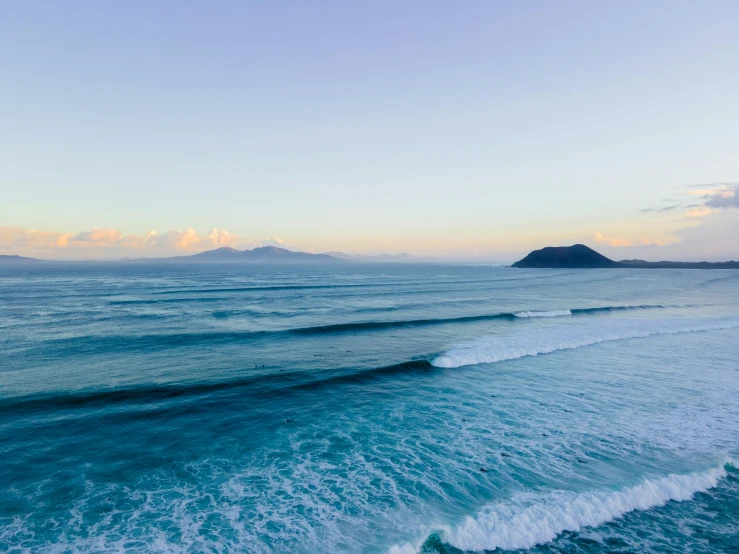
x=445, y=128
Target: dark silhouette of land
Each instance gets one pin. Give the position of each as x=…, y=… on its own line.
x=581, y=256
x=680, y=265
x=577, y=256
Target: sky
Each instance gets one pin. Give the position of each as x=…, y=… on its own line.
x=474, y=130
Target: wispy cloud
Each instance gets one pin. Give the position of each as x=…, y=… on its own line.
x=710, y=196
x=662, y=209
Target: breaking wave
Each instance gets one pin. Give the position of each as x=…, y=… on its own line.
x=533, y=342
x=555, y=313
x=528, y=520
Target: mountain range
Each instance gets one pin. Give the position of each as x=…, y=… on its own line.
x=260, y=254
x=270, y=254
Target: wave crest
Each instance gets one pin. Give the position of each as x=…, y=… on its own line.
x=553, y=313
x=529, y=520
x=499, y=348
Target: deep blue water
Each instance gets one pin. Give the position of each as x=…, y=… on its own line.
x=368, y=408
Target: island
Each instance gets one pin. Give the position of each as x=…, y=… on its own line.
x=579, y=256
x=576, y=256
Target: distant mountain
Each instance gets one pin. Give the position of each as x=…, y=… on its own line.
x=679, y=265
x=261, y=254
x=580, y=256
x=576, y=256
x=8, y=259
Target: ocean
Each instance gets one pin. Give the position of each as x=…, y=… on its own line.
x=367, y=408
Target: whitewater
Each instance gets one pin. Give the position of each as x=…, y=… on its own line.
x=381, y=408
x=526, y=521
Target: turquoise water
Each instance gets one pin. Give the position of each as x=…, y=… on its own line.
x=368, y=408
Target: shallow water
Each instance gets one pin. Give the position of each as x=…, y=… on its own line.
x=368, y=408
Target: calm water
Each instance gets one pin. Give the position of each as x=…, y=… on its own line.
x=368, y=408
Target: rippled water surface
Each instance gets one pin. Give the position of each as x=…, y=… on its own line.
x=368, y=408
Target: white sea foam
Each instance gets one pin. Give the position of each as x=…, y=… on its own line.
x=528, y=520
x=532, y=342
x=553, y=313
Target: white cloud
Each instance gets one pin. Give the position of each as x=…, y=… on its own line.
x=16, y=238
x=98, y=236
x=274, y=241
x=180, y=240
x=111, y=243
x=222, y=238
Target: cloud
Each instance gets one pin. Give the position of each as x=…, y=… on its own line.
x=648, y=242
x=15, y=237
x=724, y=199
x=662, y=209
x=715, y=196
x=700, y=211
x=621, y=243
x=98, y=236
x=611, y=241
x=707, y=228
x=112, y=242
x=178, y=240
x=274, y=241
x=222, y=238
x=713, y=238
